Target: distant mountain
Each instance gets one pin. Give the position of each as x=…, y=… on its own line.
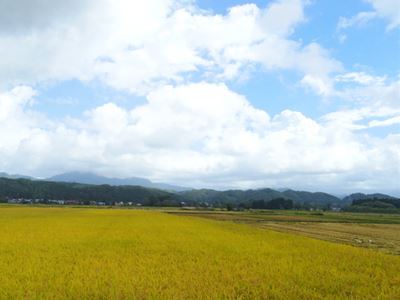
x=106, y=189
x=235, y=196
x=309, y=197
x=378, y=203
x=317, y=199
x=50, y=190
x=14, y=176
x=361, y=196
x=91, y=187
x=94, y=179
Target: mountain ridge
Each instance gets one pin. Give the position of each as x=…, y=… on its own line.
x=203, y=195
x=95, y=179
x=14, y=176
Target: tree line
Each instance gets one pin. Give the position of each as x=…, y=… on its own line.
x=374, y=204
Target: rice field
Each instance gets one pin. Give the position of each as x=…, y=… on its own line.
x=88, y=253
x=368, y=230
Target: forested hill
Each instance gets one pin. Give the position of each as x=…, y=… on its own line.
x=46, y=190
x=375, y=204
x=212, y=196
x=361, y=196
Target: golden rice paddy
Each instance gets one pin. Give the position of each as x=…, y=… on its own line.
x=82, y=253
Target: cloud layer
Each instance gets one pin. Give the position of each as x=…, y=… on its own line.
x=200, y=134
x=136, y=45
x=192, y=129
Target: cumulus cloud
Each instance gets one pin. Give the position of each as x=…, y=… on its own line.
x=15, y=119
x=197, y=134
x=137, y=46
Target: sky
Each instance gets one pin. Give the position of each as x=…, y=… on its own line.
x=301, y=94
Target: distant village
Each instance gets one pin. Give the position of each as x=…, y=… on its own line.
x=119, y=203
x=68, y=202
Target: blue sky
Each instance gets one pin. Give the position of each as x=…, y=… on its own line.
x=204, y=93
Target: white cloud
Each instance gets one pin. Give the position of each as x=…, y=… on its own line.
x=321, y=86
x=197, y=134
x=386, y=9
x=387, y=122
x=378, y=94
x=361, y=78
x=136, y=45
x=282, y=16
x=15, y=119
x=17, y=17
x=375, y=101
x=361, y=19
x=357, y=119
